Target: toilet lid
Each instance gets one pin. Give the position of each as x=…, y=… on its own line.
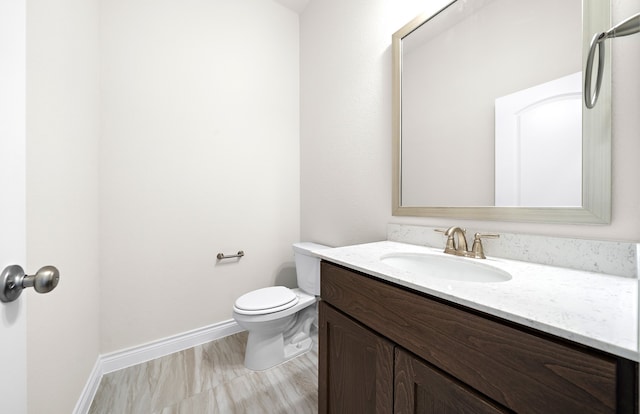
x=266, y=300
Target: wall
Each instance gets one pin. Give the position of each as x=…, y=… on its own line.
x=346, y=126
x=199, y=154
x=62, y=199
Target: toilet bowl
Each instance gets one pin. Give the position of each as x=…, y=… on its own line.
x=279, y=320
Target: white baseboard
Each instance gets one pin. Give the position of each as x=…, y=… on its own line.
x=125, y=358
x=89, y=391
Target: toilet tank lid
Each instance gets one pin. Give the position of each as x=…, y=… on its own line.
x=308, y=247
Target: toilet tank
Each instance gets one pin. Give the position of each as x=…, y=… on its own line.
x=308, y=266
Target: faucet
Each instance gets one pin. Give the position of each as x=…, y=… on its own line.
x=457, y=242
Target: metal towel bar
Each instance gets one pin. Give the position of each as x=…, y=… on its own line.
x=222, y=256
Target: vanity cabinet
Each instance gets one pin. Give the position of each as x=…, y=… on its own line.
x=385, y=348
x=360, y=365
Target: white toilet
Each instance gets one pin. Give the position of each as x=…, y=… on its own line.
x=279, y=319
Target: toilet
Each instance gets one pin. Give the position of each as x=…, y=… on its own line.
x=279, y=319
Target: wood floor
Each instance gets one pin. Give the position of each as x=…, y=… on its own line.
x=210, y=378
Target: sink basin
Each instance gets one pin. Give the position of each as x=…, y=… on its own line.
x=444, y=267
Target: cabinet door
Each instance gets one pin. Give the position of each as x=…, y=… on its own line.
x=419, y=388
x=355, y=366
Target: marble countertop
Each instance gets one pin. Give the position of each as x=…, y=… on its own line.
x=597, y=310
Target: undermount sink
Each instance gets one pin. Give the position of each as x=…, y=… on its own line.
x=443, y=267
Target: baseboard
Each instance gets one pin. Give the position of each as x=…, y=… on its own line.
x=115, y=361
x=89, y=391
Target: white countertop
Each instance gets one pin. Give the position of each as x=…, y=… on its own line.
x=597, y=310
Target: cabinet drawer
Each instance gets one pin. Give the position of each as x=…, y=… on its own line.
x=515, y=367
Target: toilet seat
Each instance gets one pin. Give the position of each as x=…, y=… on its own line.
x=267, y=300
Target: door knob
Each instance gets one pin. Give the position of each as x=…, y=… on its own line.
x=13, y=280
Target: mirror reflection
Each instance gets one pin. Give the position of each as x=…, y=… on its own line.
x=491, y=109
x=538, y=145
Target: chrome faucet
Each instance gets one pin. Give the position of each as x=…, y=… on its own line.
x=457, y=242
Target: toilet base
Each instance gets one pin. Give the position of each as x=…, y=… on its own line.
x=267, y=349
x=294, y=350
x=268, y=352
x=263, y=351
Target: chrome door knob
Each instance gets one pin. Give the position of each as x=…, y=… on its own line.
x=44, y=281
x=13, y=281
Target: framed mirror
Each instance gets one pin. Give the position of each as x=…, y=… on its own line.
x=488, y=117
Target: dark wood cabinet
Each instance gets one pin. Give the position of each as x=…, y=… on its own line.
x=421, y=388
x=385, y=348
x=360, y=363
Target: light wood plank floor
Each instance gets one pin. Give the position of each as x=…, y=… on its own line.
x=210, y=378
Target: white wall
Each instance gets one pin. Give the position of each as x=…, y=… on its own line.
x=346, y=126
x=157, y=135
x=62, y=198
x=199, y=154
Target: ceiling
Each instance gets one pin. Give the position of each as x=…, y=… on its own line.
x=295, y=5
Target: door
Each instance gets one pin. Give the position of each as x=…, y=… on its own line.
x=538, y=145
x=355, y=366
x=13, y=365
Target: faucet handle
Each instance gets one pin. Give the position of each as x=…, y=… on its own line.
x=450, y=230
x=477, y=250
x=487, y=235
